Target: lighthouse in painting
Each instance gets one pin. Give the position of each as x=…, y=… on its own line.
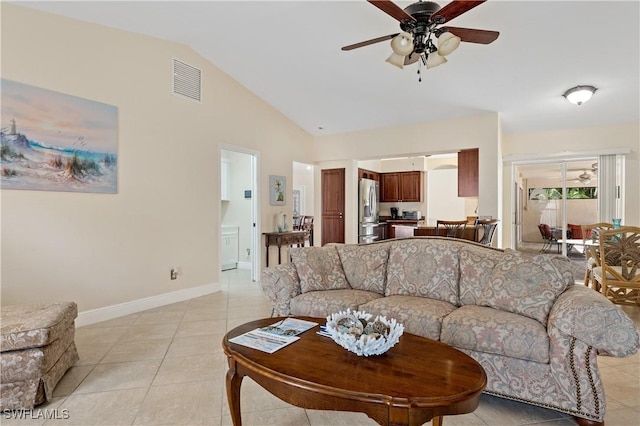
x=12, y=130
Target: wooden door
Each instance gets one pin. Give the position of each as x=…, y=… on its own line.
x=411, y=187
x=389, y=187
x=468, y=163
x=332, y=182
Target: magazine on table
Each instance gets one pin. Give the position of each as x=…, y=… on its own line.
x=275, y=336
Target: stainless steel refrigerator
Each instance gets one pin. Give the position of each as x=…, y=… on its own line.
x=368, y=210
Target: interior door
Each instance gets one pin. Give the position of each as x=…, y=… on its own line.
x=333, y=205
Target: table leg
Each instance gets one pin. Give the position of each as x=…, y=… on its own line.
x=279, y=254
x=234, y=380
x=437, y=421
x=267, y=244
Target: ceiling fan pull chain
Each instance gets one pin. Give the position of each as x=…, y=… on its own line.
x=419, y=73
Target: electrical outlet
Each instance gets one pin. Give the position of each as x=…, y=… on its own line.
x=174, y=273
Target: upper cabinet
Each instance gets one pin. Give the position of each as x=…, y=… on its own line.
x=401, y=187
x=468, y=173
x=368, y=174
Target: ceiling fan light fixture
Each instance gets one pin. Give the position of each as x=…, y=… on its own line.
x=402, y=45
x=447, y=43
x=397, y=60
x=579, y=94
x=433, y=60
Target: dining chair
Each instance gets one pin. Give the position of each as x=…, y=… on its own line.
x=592, y=252
x=619, y=269
x=484, y=230
x=307, y=225
x=297, y=222
x=453, y=228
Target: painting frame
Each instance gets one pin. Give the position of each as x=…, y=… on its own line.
x=53, y=141
x=277, y=190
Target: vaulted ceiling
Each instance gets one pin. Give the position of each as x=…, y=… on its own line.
x=288, y=53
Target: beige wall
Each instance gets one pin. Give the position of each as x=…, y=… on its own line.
x=562, y=143
x=480, y=131
x=101, y=250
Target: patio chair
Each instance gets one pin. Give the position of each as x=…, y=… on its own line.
x=549, y=239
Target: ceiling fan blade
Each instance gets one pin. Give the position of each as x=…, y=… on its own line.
x=368, y=42
x=471, y=35
x=392, y=10
x=454, y=9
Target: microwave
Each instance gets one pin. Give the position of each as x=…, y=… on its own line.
x=411, y=215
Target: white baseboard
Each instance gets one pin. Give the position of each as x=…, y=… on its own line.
x=244, y=265
x=114, y=311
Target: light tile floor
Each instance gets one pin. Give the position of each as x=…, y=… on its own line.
x=165, y=366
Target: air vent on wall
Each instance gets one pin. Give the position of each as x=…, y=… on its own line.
x=186, y=80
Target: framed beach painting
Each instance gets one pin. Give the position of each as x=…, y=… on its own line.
x=51, y=141
x=277, y=190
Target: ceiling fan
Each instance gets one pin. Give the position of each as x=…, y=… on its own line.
x=583, y=178
x=420, y=22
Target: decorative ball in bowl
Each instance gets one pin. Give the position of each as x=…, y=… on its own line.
x=358, y=333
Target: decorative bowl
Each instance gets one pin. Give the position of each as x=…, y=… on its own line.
x=354, y=331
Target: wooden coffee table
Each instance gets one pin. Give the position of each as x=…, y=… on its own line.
x=417, y=380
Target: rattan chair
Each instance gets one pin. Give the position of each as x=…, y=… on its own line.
x=453, y=228
x=590, y=232
x=619, y=269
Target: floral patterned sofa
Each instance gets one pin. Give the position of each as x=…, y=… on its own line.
x=521, y=316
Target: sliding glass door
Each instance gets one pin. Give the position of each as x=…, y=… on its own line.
x=556, y=198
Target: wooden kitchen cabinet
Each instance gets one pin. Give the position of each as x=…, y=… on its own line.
x=468, y=164
x=368, y=174
x=401, y=187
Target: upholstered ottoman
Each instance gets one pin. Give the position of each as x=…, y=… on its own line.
x=36, y=349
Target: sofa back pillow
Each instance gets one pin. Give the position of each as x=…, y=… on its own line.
x=527, y=284
x=424, y=267
x=476, y=266
x=365, y=266
x=319, y=268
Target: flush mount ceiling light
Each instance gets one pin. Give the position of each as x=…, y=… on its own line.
x=579, y=94
x=420, y=23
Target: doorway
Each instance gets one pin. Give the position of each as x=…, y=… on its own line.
x=552, y=200
x=239, y=210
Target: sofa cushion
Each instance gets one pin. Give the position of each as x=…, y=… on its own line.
x=424, y=267
x=365, y=266
x=419, y=315
x=476, y=266
x=489, y=330
x=319, y=268
x=323, y=303
x=32, y=326
x=527, y=284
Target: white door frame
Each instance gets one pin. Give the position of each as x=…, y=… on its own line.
x=255, y=206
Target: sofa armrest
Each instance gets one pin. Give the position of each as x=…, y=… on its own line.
x=280, y=284
x=590, y=317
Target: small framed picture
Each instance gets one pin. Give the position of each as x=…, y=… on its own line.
x=277, y=190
